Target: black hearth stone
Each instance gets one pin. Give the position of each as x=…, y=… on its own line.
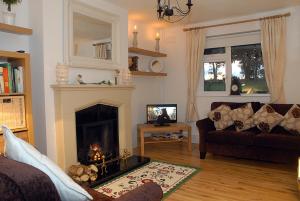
x=116, y=169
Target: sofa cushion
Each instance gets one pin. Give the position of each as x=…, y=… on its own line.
x=244, y=125
x=19, y=150
x=241, y=117
x=255, y=105
x=266, y=118
x=221, y=117
x=231, y=137
x=277, y=141
x=291, y=121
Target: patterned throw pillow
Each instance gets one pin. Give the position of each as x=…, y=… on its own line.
x=266, y=118
x=245, y=125
x=221, y=117
x=291, y=121
x=241, y=117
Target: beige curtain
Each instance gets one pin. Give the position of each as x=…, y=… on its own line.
x=101, y=51
x=273, y=35
x=195, y=51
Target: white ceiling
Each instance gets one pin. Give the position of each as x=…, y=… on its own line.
x=203, y=10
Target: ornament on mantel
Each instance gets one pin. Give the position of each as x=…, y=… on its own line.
x=62, y=74
x=79, y=79
x=124, y=77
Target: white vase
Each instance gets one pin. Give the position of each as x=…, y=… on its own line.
x=9, y=17
x=62, y=74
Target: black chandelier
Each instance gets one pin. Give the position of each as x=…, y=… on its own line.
x=172, y=13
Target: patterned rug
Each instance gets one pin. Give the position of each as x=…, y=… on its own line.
x=168, y=176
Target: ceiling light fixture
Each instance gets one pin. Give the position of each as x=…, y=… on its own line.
x=172, y=13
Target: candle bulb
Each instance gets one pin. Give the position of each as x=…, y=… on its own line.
x=157, y=36
x=135, y=40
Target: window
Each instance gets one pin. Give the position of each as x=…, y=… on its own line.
x=214, y=76
x=239, y=59
x=247, y=66
x=214, y=69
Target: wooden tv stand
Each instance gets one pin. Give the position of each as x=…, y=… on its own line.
x=174, y=127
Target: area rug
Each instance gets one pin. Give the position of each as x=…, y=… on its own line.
x=168, y=176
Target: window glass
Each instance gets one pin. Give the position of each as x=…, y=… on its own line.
x=218, y=50
x=214, y=76
x=247, y=66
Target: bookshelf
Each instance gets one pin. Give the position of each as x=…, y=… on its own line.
x=20, y=59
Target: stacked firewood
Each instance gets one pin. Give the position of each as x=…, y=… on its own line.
x=83, y=173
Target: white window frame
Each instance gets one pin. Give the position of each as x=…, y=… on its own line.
x=226, y=41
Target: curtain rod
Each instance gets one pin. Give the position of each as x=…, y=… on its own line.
x=237, y=22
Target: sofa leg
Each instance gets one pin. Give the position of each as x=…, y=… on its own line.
x=202, y=155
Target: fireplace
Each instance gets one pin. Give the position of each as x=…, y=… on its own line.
x=94, y=114
x=97, y=133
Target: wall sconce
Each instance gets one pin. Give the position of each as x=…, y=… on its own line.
x=135, y=40
x=157, y=38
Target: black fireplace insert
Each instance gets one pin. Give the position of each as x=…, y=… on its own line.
x=97, y=126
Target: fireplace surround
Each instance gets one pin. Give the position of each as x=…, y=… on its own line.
x=70, y=99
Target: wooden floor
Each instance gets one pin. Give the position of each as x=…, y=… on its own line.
x=228, y=179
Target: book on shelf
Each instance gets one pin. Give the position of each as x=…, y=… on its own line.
x=12, y=78
x=12, y=112
x=1, y=81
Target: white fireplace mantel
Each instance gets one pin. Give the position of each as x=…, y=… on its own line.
x=71, y=98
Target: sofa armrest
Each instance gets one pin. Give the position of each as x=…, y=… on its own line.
x=147, y=192
x=204, y=126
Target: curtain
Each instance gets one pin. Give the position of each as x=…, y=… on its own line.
x=195, y=51
x=101, y=51
x=273, y=35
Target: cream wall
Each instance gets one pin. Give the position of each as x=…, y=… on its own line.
x=175, y=46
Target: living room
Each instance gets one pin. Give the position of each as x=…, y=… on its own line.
x=228, y=27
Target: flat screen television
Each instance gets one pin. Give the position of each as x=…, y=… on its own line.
x=155, y=112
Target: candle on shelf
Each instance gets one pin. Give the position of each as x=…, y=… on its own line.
x=157, y=38
x=135, y=40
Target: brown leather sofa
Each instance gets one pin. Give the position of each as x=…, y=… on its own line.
x=277, y=146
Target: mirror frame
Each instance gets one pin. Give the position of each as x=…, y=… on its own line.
x=78, y=6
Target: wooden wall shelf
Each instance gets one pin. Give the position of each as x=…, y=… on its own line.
x=150, y=74
x=146, y=52
x=15, y=29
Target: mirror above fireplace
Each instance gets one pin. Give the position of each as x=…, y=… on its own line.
x=91, y=36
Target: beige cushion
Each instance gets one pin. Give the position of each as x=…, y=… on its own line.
x=291, y=121
x=241, y=117
x=221, y=117
x=267, y=118
x=244, y=125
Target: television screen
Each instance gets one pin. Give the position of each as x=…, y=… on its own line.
x=166, y=111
